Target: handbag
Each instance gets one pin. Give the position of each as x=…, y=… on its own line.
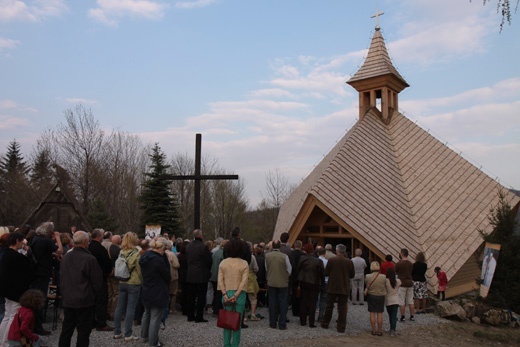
x=25, y=342
x=366, y=289
x=229, y=319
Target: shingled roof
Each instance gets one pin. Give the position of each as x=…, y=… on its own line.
x=394, y=185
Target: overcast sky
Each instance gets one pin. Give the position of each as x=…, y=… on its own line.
x=262, y=80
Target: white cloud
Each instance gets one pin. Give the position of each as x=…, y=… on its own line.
x=194, y=4
x=13, y=105
x=8, y=43
x=81, y=101
x=11, y=10
x=270, y=93
x=110, y=12
x=8, y=122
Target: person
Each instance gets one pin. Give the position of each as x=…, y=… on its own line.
x=340, y=270
x=45, y=243
x=358, y=282
x=81, y=281
x=197, y=278
x=113, y=284
x=285, y=248
x=403, y=269
x=105, y=264
x=388, y=263
x=309, y=276
x=183, y=273
x=294, y=258
x=278, y=269
x=174, y=269
x=376, y=287
x=3, y=247
x=23, y=324
x=252, y=287
x=15, y=279
x=392, y=299
x=261, y=275
x=156, y=280
x=442, y=283
x=216, y=257
x=232, y=282
x=323, y=286
x=128, y=291
x=420, y=287
x=328, y=251
x=143, y=247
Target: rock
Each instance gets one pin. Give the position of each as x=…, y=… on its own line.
x=451, y=310
x=497, y=317
x=475, y=320
x=470, y=309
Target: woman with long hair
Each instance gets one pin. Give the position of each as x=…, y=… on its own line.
x=128, y=290
x=392, y=298
x=233, y=273
x=420, y=287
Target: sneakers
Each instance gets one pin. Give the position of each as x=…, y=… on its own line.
x=412, y=319
x=117, y=337
x=393, y=333
x=131, y=338
x=402, y=319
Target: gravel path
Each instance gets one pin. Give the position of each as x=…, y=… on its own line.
x=180, y=332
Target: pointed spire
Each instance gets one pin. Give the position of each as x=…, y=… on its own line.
x=378, y=64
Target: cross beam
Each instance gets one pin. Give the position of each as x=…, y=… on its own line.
x=197, y=178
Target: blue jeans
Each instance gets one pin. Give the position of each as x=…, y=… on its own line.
x=322, y=302
x=278, y=307
x=126, y=302
x=150, y=324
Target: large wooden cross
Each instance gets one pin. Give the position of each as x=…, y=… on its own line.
x=197, y=177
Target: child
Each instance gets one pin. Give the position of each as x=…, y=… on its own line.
x=23, y=322
x=443, y=283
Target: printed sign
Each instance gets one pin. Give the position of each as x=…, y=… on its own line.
x=489, y=264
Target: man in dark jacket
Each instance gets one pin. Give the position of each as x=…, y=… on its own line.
x=199, y=271
x=44, y=245
x=294, y=257
x=81, y=281
x=340, y=270
x=309, y=276
x=15, y=278
x=105, y=264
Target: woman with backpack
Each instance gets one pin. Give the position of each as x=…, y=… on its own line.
x=130, y=289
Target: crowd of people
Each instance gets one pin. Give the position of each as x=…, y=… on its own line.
x=132, y=281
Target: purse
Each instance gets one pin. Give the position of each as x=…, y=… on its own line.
x=229, y=319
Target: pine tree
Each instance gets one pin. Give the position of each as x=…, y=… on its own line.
x=98, y=216
x=17, y=198
x=41, y=175
x=505, y=287
x=157, y=202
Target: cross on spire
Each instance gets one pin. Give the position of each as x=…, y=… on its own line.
x=376, y=16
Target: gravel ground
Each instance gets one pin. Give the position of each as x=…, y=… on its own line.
x=180, y=332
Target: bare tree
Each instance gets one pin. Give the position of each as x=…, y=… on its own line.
x=277, y=188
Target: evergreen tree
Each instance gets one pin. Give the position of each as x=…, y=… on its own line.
x=17, y=197
x=41, y=176
x=505, y=287
x=12, y=162
x=98, y=216
x=157, y=202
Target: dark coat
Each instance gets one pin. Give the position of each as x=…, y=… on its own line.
x=81, y=278
x=199, y=262
x=310, y=270
x=156, y=279
x=294, y=258
x=102, y=257
x=43, y=248
x=340, y=270
x=15, y=274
